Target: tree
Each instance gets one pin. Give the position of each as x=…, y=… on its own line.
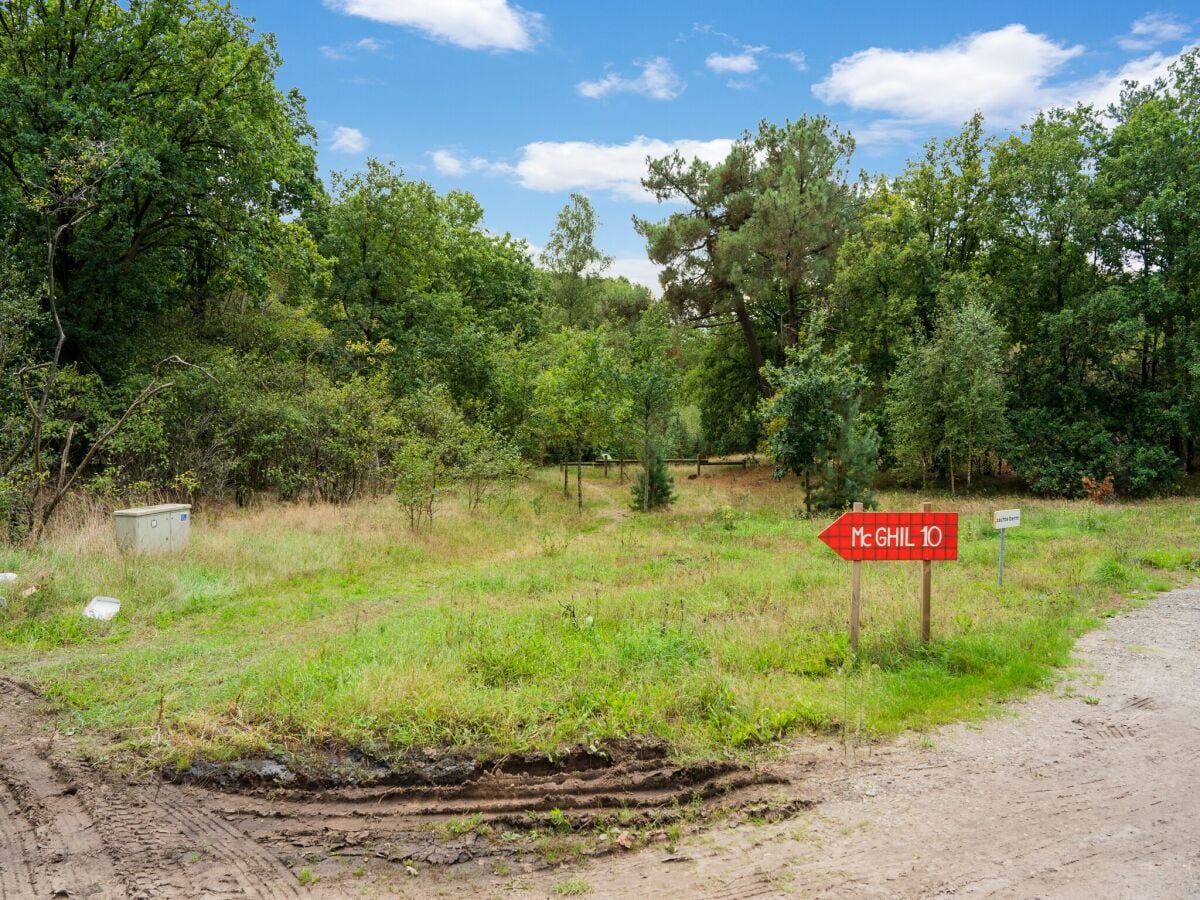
x=212, y=155
x=698, y=282
x=488, y=462
x=783, y=254
x=654, y=488
x=723, y=383
x=578, y=398
x=431, y=453
x=887, y=278
x=947, y=399
x=416, y=269
x=574, y=262
x=812, y=430
x=652, y=385
x=972, y=345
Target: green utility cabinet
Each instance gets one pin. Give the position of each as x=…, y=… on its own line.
x=153, y=529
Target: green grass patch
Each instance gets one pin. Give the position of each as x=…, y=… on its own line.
x=719, y=625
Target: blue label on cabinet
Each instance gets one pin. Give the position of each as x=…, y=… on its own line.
x=183, y=517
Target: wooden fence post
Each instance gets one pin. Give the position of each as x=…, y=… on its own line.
x=855, y=595
x=926, y=585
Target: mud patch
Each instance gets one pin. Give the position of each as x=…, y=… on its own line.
x=251, y=827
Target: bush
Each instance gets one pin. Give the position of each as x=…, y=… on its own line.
x=662, y=487
x=1054, y=457
x=1146, y=471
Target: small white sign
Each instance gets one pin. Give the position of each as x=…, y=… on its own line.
x=1006, y=518
x=102, y=608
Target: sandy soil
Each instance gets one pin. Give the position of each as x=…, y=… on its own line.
x=1093, y=791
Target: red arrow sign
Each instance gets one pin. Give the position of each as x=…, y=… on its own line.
x=905, y=535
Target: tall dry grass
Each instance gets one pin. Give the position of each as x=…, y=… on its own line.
x=716, y=625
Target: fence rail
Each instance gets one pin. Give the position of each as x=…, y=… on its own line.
x=688, y=461
x=620, y=464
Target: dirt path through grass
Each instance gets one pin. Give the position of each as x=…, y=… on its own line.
x=1093, y=791
x=1089, y=791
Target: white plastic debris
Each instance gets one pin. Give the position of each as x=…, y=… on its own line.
x=102, y=608
x=8, y=577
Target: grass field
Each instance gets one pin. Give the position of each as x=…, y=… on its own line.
x=718, y=626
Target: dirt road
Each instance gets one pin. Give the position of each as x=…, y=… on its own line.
x=1093, y=791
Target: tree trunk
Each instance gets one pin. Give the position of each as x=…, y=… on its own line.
x=646, y=478
x=951, y=471
x=566, y=483
x=791, y=331
x=579, y=484
x=807, y=494
x=750, y=334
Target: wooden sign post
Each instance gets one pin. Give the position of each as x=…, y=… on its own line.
x=927, y=582
x=855, y=594
x=924, y=536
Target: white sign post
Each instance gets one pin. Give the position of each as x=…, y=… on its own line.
x=1004, y=519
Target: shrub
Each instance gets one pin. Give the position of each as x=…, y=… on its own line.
x=662, y=487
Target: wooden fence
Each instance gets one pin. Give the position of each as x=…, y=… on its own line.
x=697, y=461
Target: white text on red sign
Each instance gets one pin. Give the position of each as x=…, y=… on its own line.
x=897, y=536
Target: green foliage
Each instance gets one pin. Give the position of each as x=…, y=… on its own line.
x=1020, y=304
x=946, y=401
x=578, y=398
x=723, y=384
x=783, y=254
x=431, y=453
x=439, y=450
x=575, y=264
x=416, y=270
x=850, y=463
x=654, y=488
x=811, y=426
x=490, y=465
x=204, y=155
x=651, y=380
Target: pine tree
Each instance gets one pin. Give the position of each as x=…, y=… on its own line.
x=662, y=487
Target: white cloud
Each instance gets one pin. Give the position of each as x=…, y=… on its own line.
x=1151, y=30
x=735, y=63
x=796, y=58
x=348, y=140
x=885, y=131
x=350, y=49
x=561, y=166
x=1105, y=88
x=447, y=162
x=1000, y=73
x=474, y=24
x=637, y=269
x=657, y=80
x=619, y=168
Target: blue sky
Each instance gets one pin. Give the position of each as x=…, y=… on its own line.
x=522, y=104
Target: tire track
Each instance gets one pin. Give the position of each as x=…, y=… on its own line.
x=257, y=871
x=1062, y=800
x=16, y=874
x=65, y=831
